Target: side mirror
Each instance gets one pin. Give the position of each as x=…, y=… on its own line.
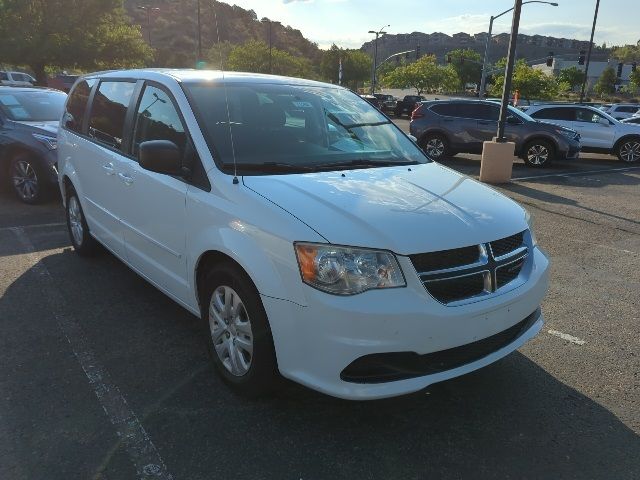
x=160, y=156
x=603, y=121
x=413, y=139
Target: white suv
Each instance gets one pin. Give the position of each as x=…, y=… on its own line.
x=311, y=235
x=620, y=111
x=16, y=79
x=599, y=131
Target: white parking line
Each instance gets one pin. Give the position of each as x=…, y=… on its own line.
x=567, y=337
x=574, y=174
x=132, y=434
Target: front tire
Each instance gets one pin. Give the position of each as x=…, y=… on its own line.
x=27, y=179
x=81, y=240
x=239, y=339
x=629, y=150
x=435, y=146
x=538, y=153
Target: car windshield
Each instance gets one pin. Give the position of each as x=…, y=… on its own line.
x=520, y=114
x=32, y=106
x=296, y=128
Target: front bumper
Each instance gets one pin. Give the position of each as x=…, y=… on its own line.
x=316, y=343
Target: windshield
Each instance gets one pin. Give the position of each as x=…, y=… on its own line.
x=33, y=106
x=296, y=128
x=520, y=114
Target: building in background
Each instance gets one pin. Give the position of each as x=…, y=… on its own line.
x=595, y=69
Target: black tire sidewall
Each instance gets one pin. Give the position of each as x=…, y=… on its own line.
x=548, y=145
x=262, y=376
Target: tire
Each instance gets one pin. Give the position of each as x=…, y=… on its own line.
x=241, y=347
x=629, y=150
x=538, y=153
x=81, y=240
x=435, y=146
x=27, y=179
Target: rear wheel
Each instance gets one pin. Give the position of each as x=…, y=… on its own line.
x=538, y=153
x=435, y=146
x=83, y=243
x=629, y=150
x=27, y=179
x=239, y=338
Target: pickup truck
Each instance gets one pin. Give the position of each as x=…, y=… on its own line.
x=407, y=105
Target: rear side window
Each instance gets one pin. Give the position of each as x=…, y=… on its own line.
x=158, y=119
x=4, y=76
x=479, y=111
x=566, y=114
x=108, y=112
x=77, y=105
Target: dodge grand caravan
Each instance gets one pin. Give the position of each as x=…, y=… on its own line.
x=314, y=239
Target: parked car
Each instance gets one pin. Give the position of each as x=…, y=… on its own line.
x=62, y=81
x=387, y=102
x=620, y=111
x=373, y=100
x=29, y=119
x=447, y=127
x=16, y=79
x=298, y=222
x=599, y=131
x=635, y=120
x=407, y=105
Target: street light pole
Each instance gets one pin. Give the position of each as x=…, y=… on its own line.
x=148, y=10
x=586, y=67
x=199, y=34
x=485, y=62
x=375, y=56
x=506, y=89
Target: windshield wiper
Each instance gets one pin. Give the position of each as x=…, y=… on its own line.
x=364, y=163
x=269, y=167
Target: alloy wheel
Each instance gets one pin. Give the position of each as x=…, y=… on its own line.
x=75, y=220
x=25, y=180
x=230, y=329
x=630, y=151
x=538, y=154
x=434, y=148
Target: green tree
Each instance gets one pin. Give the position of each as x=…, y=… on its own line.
x=218, y=55
x=468, y=65
x=254, y=56
x=634, y=82
x=356, y=66
x=88, y=34
x=606, y=84
x=424, y=75
x=626, y=53
x=530, y=82
x=573, y=76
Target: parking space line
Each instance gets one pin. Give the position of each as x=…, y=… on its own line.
x=132, y=434
x=567, y=337
x=37, y=225
x=574, y=174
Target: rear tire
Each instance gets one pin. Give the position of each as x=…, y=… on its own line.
x=237, y=332
x=435, y=146
x=629, y=150
x=538, y=153
x=83, y=243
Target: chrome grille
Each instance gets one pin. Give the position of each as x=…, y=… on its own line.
x=462, y=274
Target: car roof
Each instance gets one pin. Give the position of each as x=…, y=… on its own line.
x=625, y=105
x=9, y=88
x=215, y=76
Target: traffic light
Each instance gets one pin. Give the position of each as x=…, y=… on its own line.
x=620, y=65
x=581, y=58
x=550, y=59
x=417, y=52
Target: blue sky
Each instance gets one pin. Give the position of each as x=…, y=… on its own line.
x=346, y=22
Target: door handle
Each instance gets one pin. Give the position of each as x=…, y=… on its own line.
x=127, y=179
x=108, y=168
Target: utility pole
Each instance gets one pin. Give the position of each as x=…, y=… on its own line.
x=378, y=33
x=270, y=49
x=199, y=34
x=586, y=67
x=148, y=10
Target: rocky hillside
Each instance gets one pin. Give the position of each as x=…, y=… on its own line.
x=530, y=47
x=174, y=29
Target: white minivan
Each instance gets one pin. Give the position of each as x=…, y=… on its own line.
x=314, y=239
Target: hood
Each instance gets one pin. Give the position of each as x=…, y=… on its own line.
x=426, y=208
x=45, y=128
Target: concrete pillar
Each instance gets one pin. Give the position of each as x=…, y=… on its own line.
x=497, y=162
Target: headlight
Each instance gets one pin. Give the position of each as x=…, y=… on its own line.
x=567, y=133
x=529, y=220
x=50, y=142
x=347, y=271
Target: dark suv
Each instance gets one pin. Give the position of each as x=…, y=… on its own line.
x=461, y=126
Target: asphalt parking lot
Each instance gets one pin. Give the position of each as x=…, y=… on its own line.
x=103, y=377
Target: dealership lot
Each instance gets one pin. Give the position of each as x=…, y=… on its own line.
x=104, y=377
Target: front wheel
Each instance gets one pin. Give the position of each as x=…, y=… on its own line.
x=538, y=153
x=239, y=338
x=629, y=150
x=435, y=146
x=27, y=179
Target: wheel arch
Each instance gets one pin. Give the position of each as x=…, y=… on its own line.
x=623, y=139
